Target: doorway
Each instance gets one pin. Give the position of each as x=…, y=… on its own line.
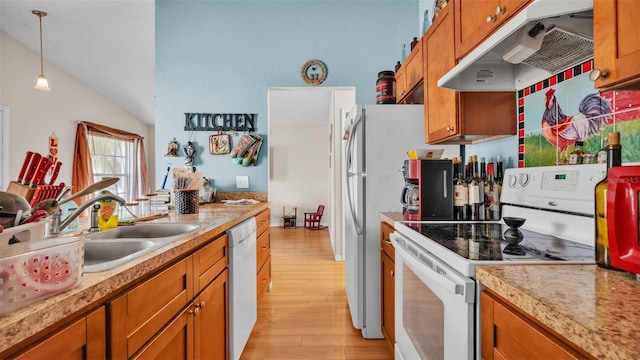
x=305, y=149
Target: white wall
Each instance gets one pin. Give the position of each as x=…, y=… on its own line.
x=298, y=151
x=36, y=114
x=299, y=168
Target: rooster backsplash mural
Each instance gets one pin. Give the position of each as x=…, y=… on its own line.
x=556, y=113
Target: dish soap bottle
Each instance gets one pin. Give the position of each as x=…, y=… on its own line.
x=107, y=218
x=614, y=151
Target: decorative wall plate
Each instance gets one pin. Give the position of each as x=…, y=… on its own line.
x=314, y=72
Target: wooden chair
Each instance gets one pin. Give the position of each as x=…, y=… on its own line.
x=312, y=220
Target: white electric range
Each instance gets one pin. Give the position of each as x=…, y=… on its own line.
x=437, y=297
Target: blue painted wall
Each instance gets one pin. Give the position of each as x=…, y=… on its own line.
x=221, y=56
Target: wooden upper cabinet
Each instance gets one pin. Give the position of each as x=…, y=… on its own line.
x=409, y=78
x=401, y=84
x=441, y=104
x=616, y=43
x=414, y=66
x=459, y=117
x=477, y=19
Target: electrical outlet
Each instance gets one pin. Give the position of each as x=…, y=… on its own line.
x=242, y=182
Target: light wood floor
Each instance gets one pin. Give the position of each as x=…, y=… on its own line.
x=306, y=316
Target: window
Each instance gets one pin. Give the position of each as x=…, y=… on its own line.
x=101, y=151
x=112, y=157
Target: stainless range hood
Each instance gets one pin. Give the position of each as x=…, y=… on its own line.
x=546, y=37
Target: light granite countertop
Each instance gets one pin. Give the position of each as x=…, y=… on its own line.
x=391, y=217
x=594, y=308
x=95, y=288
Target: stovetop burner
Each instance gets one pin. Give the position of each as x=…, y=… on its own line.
x=499, y=242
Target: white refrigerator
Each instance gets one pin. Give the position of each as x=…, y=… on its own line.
x=376, y=141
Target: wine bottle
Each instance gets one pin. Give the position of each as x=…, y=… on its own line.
x=614, y=151
x=460, y=192
x=499, y=170
x=491, y=196
x=482, y=180
x=483, y=169
x=476, y=191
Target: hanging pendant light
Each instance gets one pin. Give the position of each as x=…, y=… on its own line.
x=42, y=83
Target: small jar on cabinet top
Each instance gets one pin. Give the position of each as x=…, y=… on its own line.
x=414, y=42
x=385, y=87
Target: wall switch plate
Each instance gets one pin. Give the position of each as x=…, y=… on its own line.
x=242, y=182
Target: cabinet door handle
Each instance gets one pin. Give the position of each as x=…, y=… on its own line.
x=491, y=18
x=392, y=273
x=264, y=280
x=201, y=305
x=500, y=10
x=264, y=248
x=449, y=129
x=596, y=74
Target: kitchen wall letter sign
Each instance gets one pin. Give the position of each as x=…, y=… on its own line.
x=219, y=122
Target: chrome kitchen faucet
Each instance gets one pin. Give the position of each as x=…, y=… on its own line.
x=57, y=224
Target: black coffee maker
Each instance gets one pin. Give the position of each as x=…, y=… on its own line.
x=428, y=192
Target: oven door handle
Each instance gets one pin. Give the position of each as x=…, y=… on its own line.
x=445, y=281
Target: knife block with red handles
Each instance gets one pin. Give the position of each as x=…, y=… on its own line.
x=26, y=191
x=31, y=182
x=622, y=217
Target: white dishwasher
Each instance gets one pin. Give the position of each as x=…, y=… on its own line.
x=243, y=284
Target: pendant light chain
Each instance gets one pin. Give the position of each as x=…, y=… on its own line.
x=42, y=83
x=40, y=15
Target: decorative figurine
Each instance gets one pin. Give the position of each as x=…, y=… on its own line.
x=189, y=154
x=173, y=148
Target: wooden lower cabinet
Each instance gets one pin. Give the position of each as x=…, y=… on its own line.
x=139, y=314
x=508, y=333
x=175, y=341
x=212, y=320
x=200, y=331
x=387, y=256
x=263, y=253
x=83, y=339
x=180, y=313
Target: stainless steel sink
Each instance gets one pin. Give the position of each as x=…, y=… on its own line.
x=144, y=231
x=113, y=252
x=107, y=249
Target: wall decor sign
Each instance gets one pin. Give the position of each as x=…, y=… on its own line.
x=314, y=72
x=219, y=122
x=555, y=113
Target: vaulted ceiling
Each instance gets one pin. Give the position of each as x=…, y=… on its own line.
x=109, y=45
